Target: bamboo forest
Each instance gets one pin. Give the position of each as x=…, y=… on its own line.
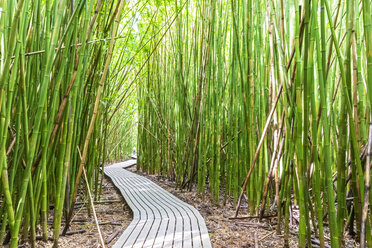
x=248, y=123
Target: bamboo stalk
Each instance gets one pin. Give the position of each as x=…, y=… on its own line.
x=366, y=191
x=95, y=110
x=258, y=150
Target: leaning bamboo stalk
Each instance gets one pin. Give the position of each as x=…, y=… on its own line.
x=274, y=164
x=263, y=135
x=91, y=200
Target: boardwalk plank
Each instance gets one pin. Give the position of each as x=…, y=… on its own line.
x=159, y=218
x=174, y=223
x=194, y=219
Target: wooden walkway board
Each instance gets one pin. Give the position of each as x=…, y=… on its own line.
x=159, y=218
x=125, y=164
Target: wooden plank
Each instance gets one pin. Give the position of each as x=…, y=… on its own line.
x=174, y=224
x=159, y=202
x=151, y=235
x=197, y=223
x=132, y=238
x=191, y=236
x=187, y=236
x=166, y=229
x=140, y=220
x=189, y=221
x=152, y=215
x=159, y=218
x=132, y=204
x=145, y=232
x=160, y=236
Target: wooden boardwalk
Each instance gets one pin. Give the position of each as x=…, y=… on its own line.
x=159, y=218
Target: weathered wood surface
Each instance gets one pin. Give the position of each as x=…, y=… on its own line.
x=159, y=218
x=123, y=165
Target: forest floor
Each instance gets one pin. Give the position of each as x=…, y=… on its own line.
x=226, y=233
x=113, y=214
x=234, y=233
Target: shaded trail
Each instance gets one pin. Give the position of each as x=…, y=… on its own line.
x=159, y=218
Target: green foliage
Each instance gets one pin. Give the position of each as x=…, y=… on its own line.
x=210, y=85
x=52, y=63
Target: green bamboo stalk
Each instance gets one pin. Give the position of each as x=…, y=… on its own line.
x=95, y=110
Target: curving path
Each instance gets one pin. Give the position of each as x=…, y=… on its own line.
x=159, y=218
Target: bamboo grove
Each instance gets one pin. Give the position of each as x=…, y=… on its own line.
x=56, y=92
x=267, y=102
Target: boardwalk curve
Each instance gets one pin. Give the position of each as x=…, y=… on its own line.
x=159, y=218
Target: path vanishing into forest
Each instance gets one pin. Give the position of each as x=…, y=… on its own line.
x=159, y=218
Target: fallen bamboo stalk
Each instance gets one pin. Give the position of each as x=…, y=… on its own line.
x=94, y=211
x=91, y=202
x=251, y=217
x=68, y=233
x=254, y=224
x=266, y=235
x=111, y=237
x=255, y=240
x=100, y=202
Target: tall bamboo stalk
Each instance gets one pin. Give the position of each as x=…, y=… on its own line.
x=230, y=122
x=48, y=53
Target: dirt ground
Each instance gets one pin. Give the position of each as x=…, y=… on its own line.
x=234, y=233
x=112, y=213
x=226, y=233
x=114, y=216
